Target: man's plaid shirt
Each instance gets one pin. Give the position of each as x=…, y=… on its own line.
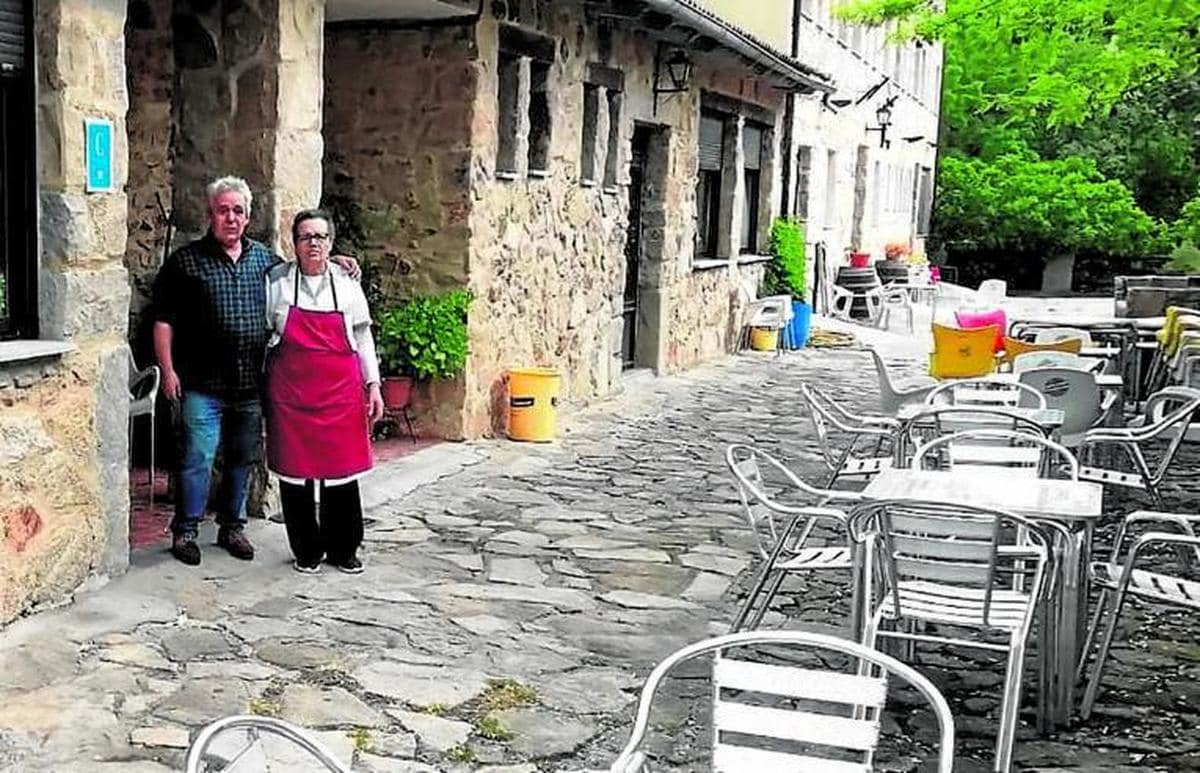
x=217, y=311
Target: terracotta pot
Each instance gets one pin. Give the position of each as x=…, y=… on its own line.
x=396, y=391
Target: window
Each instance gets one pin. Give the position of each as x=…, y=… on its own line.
x=539, y=117
x=708, y=183
x=803, y=175
x=612, y=158
x=508, y=96
x=830, y=188
x=752, y=150
x=591, y=116
x=18, y=262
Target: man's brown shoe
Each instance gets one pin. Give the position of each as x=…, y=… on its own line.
x=234, y=540
x=186, y=550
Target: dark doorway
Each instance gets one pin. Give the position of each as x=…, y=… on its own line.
x=18, y=289
x=633, y=245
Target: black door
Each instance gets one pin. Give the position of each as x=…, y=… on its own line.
x=633, y=246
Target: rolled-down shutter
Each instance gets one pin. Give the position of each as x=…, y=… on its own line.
x=12, y=35
x=752, y=137
x=712, y=135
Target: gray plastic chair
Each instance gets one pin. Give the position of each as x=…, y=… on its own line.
x=893, y=395
x=1049, y=335
x=1031, y=360
x=1075, y=393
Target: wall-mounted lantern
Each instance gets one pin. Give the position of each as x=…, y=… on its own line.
x=883, y=119
x=678, y=73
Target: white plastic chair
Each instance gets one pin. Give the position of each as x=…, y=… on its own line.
x=893, y=298
x=953, y=565
x=780, y=548
x=1077, y=395
x=143, y=392
x=772, y=312
x=997, y=450
x=1126, y=575
x=991, y=292
x=893, y=395
x=217, y=749
x=1050, y=335
x=1134, y=441
x=826, y=415
x=818, y=713
x=1031, y=360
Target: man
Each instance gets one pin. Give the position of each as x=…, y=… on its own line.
x=209, y=338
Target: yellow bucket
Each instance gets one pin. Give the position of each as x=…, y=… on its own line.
x=764, y=339
x=532, y=400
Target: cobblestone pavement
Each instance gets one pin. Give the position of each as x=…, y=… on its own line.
x=511, y=609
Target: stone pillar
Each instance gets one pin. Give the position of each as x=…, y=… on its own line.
x=66, y=420
x=248, y=103
x=733, y=189
x=770, y=188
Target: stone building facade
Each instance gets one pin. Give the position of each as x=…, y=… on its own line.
x=535, y=152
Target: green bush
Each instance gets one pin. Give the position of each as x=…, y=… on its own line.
x=785, y=272
x=1186, y=230
x=1185, y=258
x=425, y=338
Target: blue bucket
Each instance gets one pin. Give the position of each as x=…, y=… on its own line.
x=797, y=329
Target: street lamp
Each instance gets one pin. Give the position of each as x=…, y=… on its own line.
x=883, y=117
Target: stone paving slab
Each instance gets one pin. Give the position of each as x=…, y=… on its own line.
x=514, y=600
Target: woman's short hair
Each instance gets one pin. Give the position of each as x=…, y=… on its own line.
x=312, y=214
x=229, y=185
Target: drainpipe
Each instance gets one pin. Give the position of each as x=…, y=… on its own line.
x=789, y=120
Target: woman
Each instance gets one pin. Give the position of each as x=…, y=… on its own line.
x=322, y=397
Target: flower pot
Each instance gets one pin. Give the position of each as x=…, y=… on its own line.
x=797, y=330
x=396, y=391
x=860, y=259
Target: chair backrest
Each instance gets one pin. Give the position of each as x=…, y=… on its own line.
x=1031, y=360
x=962, y=353
x=1170, y=412
x=950, y=545
x=1072, y=391
x=770, y=714
x=971, y=319
x=1001, y=451
x=759, y=506
x=249, y=751
x=825, y=414
x=982, y=392
x=143, y=389
x=1048, y=335
x=1015, y=347
x=992, y=291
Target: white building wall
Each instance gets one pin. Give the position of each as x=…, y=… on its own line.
x=858, y=59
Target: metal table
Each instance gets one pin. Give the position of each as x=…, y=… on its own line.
x=1071, y=509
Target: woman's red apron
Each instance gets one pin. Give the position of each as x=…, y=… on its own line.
x=316, y=407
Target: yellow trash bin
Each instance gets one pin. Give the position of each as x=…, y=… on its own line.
x=532, y=400
x=764, y=339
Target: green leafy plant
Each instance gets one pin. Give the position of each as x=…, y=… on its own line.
x=490, y=727
x=1186, y=258
x=462, y=753
x=425, y=338
x=785, y=272
x=508, y=693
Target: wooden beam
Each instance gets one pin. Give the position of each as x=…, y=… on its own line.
x=608, y=77
x=525, y=42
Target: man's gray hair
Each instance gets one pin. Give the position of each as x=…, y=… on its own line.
x=229, y=185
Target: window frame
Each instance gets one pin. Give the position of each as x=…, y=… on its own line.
x=18, y=193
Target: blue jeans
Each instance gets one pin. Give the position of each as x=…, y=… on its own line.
x=236, y=426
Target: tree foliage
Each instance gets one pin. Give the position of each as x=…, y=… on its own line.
x=1041, y=207
x=785, y=273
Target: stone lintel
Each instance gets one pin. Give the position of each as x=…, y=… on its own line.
x=527, y=43
x=609, y=77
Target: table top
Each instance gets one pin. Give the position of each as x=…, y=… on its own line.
x=1066, y=500
x=1100, y=351
x=1103, y=380
x=1140, y=323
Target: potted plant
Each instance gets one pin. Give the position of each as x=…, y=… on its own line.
x=785, y=275
x=424, y=338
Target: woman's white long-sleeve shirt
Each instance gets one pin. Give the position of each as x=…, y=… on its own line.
x=316, y=294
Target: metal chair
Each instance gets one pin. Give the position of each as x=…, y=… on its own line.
x=893, y=395
x=997, y=450
x=1120, y=577
x=250, y=754
x=956, y=566
x=813, y=720
x=826, y=415
x=1135, y=440
x=143, y=393
x=780, y=551
x=984, y=392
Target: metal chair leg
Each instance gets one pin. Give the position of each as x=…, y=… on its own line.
x=1089, y=638
x=1089, y=696
x=766, y=602
x=151, y=463
x=1010, y=706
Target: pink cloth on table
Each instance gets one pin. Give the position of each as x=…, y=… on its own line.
x=970, y=320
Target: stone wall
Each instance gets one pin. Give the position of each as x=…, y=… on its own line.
x=397, y=170
x=151, y=76
x=248, y=103
x=64, y=499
